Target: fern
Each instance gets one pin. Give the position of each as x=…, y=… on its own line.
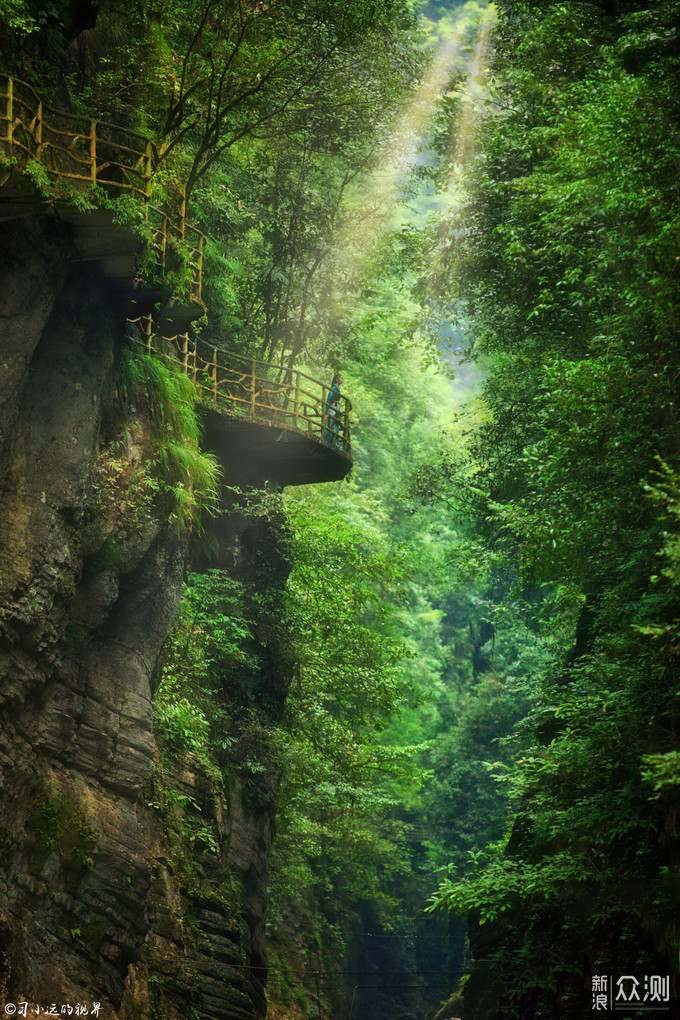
x=183, y=470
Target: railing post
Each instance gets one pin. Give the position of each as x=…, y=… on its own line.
x=252, y=388
x=185, y=353
x=38, y=132
x=182, y=212
x=93, y=151
x=345, y=428
x=147, y=329
x=200, y=266
x=164, y=235
x=148, y=169
x=297, y=398
x=215, y=375
x=10, y=115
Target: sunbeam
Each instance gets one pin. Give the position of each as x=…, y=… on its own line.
x=473, y=94
x=374, y=205
x=370, y=211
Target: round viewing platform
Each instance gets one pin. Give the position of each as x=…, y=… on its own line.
x=263, y=421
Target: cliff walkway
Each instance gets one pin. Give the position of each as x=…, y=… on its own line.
x=250, y=391
x=72, y=154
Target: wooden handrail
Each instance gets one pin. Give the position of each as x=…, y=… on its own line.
x=72, y=116
x=97, y=153
x=73, y=148
x=254, y=390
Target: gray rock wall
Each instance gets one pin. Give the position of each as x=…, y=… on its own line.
x=93, y=902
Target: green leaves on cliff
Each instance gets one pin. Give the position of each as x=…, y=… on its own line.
x=340, y=595
x=208, y=650
x=176, y=465
x=14, y=14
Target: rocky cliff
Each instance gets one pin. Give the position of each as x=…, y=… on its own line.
x=108, y=893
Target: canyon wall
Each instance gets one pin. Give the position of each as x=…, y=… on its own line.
x=103, y=896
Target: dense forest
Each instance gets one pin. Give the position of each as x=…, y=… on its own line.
x=402, y=741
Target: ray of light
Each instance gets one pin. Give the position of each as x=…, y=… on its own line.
x=473, y=96
x=373, y=210
x=369, y=215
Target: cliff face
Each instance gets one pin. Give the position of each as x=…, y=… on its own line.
x=94, y=903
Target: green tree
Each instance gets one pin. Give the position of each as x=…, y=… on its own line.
x=562, y=262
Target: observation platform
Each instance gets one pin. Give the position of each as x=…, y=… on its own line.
x=263, y=421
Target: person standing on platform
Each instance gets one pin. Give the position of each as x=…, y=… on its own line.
x=332, y=430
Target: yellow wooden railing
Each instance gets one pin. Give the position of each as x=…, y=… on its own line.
x=88, y=152
x=244, y=387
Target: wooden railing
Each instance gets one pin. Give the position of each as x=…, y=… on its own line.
x=244, y=387
x=86, y=152
x=72, y=148
x=167, y=233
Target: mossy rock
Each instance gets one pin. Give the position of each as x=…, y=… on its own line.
x=58, y=825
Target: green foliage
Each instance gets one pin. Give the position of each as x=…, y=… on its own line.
x=39, y=178
x=124, y=492
x=181, y=470
x=58, y=825
x=341, y=612
x=210, y=650
x=211, y=647
x=337, y=843
x=562, y=262
x=180, y=722
x=376, y=574
x=14, y=14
